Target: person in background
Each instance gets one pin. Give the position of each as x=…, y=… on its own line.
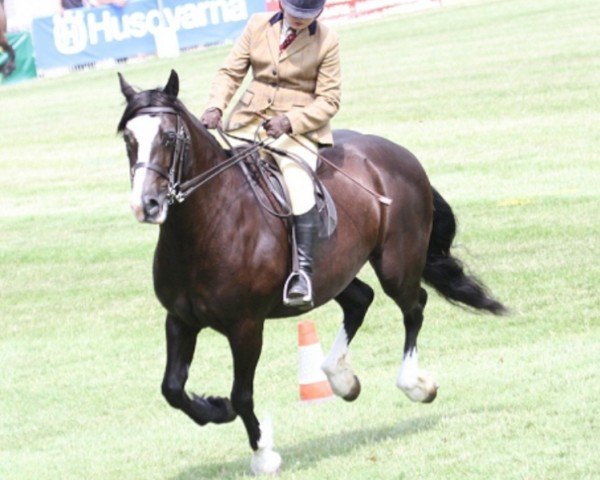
x=294, y=93
x=68, y=4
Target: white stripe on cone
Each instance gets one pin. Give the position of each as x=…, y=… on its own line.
x=310, y=360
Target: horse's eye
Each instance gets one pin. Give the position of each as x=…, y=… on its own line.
x=168, y=139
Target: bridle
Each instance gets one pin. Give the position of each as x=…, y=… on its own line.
x=178, y=189
x=180, y=141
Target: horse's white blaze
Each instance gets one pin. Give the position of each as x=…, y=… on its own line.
x=338, y=371
x=418, y=385
x=145, y=129
x=265, y=460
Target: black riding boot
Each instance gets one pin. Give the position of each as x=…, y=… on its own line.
x=299, y=292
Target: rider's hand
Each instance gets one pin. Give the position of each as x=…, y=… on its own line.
x=278, y=126
x=211, y=118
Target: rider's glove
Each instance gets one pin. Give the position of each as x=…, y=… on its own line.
x=211, y=118
x=278, y=126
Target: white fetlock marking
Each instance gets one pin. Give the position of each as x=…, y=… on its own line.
x=265, y=461
x=418, y=385
x=336, y=367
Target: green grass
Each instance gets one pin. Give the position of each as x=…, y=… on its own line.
x=498, y=99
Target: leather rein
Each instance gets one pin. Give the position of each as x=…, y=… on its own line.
x=179, y=189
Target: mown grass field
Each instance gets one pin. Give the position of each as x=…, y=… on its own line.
x=499, y=99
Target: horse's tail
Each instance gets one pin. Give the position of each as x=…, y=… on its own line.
x=445, y=273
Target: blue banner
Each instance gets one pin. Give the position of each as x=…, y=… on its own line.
x=86, y=35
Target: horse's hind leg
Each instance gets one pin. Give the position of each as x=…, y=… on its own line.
x=404, y=287
x=181, y=343
x=355, y=301
x=418, y=385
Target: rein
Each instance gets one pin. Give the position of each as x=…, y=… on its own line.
x=179, y=189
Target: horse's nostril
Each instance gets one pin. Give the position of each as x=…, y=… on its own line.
x=151, y=207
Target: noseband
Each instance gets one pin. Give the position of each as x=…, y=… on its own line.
x=180, y=141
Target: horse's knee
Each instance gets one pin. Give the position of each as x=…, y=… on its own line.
x=367, y=295
x=173, y=393
x=355, y=301
x=242, y=402
x=366, y=298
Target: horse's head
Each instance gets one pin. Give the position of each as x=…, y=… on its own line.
x=156, y=142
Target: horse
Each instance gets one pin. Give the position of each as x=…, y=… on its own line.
x=9, y=66
x=221, y=259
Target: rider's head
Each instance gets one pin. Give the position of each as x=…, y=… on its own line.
x=301, y=13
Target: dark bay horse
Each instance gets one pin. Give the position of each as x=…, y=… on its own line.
x=221, y=260
x=9, y=66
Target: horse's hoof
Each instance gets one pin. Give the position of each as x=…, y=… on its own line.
x=432, y=395
x=265, y=462
x=354, y=391
x=343, y=381
x=422, y=388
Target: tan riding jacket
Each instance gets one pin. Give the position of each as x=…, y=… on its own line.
x=304, y=82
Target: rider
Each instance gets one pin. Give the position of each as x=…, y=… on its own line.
x=296, y=83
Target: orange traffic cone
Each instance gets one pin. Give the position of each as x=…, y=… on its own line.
x=314, y=385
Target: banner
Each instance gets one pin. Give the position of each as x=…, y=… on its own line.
x=86, y=35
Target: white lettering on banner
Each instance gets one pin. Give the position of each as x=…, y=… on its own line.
x=74, y=31
x=95, y=28
x=70, y=33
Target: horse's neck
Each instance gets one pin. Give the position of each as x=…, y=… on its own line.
x=215, y=197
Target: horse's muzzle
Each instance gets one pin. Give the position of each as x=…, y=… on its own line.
x=151, y=209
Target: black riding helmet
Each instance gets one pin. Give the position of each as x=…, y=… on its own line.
x=303, y=8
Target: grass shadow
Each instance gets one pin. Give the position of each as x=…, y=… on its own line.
x=304, y=455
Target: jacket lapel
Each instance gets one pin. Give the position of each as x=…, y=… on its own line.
x=273, y=40
x=298, y=44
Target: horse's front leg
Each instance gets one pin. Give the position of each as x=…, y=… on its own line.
x=245, y=339
x=181, y=342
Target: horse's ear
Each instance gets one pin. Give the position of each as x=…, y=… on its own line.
x=172, y=86
x=126, y=89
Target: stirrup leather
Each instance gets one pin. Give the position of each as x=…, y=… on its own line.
x=306, y=300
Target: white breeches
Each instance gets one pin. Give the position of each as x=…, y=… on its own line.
x=297, y=181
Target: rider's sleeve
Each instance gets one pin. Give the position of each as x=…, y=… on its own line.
x=326, y=102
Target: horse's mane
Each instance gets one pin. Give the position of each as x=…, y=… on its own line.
x=158, y=98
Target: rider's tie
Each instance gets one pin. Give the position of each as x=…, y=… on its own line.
x=291, y=36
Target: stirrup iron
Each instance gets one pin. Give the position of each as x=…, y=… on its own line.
x=307, y=300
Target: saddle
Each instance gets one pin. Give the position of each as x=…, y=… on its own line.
x=266, y=181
